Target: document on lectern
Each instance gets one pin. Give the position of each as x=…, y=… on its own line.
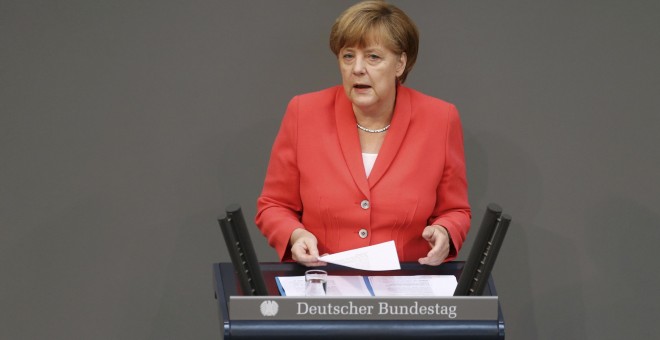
x=346, y=285
x=414, y=285
x=335, y=286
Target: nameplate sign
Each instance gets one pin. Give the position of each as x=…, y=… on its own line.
x=363, y=308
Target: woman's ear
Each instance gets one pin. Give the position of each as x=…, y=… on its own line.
x=401, y=64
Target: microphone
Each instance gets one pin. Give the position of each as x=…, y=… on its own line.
x=241, y=251
x=483, y=254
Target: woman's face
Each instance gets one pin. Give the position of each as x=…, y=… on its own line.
x=369, y=76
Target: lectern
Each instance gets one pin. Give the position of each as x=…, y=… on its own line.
x=250, y=307
x=226, y=284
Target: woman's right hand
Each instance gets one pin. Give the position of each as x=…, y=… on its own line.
x=304, y=248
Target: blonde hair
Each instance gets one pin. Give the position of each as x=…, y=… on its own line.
x=376, y=22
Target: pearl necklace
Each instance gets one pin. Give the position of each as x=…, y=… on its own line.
x=373, y=131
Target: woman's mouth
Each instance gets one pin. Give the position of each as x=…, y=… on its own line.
x=362, y=88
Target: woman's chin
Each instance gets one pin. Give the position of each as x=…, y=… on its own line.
x=363, y=100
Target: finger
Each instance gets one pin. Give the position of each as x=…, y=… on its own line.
x=429, y=261
x=428, y=233
x=320, y=258
x=313, y=263
x=306, y=260
x=298, y=249
x=299, y=253
x=312, y=250
x=434, y=257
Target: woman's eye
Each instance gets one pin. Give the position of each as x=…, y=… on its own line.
x=347, y=56
x=374, y=57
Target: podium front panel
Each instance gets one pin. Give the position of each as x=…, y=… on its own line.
x=226, y=284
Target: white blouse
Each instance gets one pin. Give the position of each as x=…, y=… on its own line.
x=369, y=159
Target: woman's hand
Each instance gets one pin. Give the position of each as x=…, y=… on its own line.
x=304, y=248
x=438, y=238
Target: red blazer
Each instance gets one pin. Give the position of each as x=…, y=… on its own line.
x=316, y=178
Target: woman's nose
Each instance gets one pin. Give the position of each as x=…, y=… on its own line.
x=358, y=66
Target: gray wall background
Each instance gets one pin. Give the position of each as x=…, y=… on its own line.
x=127, y=126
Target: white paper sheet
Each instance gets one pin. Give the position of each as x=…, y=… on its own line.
x=415, y=285
x=380, y=256
x=336, y=285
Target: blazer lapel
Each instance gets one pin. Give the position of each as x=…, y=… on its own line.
x=395, y=135
x=350, y=141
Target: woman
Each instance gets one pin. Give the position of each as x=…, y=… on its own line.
x=368, y=161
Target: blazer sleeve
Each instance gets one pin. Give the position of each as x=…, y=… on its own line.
x=452, y=209
x=279, y=207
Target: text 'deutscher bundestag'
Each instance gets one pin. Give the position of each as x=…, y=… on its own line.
x=363, y=308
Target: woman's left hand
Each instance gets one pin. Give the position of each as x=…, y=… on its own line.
x=438, y=238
